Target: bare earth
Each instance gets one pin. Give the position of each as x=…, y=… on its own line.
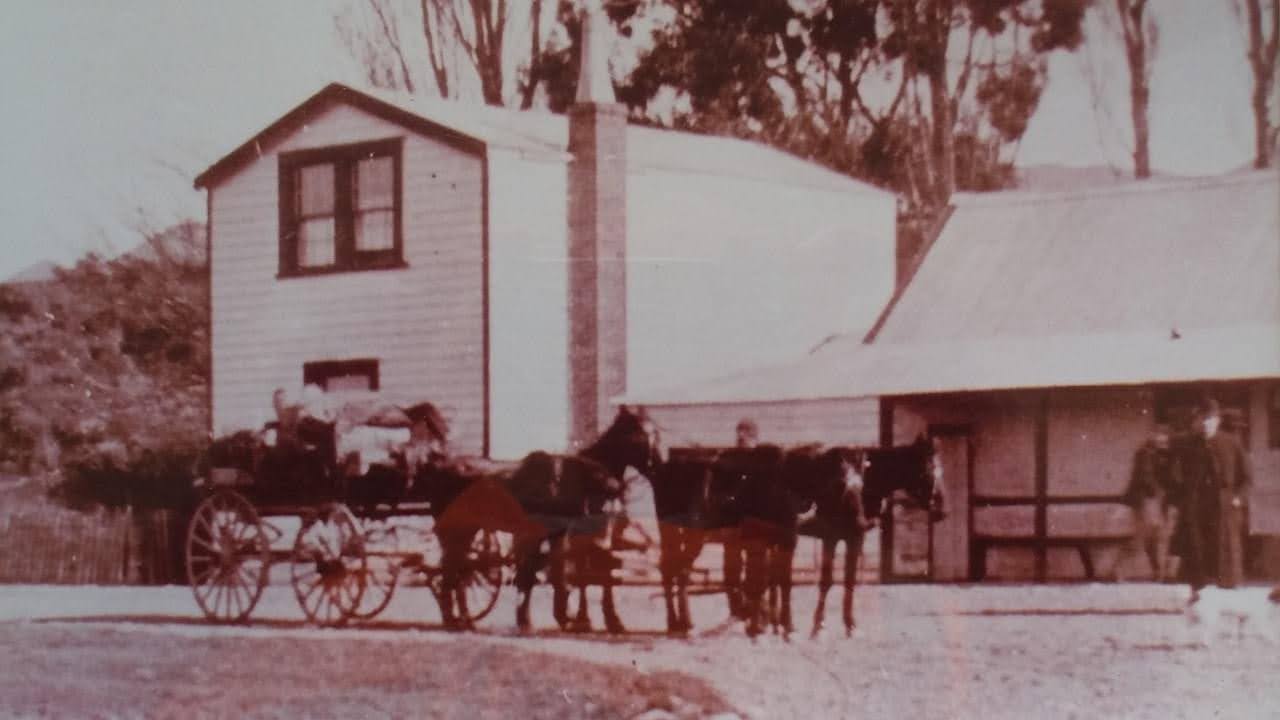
x=1086, y=651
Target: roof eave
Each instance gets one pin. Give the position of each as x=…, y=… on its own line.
x=333, y=93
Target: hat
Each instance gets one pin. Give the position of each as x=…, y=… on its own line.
x=747, y=425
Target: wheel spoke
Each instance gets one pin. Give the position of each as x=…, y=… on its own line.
x=201, y=579
x=205, y=543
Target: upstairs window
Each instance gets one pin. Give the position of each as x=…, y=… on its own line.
x=340, y=209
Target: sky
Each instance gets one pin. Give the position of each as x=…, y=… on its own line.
x=112, y=107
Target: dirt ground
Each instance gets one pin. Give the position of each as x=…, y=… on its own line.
x=990, y=652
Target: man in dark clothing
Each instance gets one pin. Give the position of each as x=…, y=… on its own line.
x=1214, y=469
x=746, y=437
x=1153, y=498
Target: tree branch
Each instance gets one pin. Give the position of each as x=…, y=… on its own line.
x=392, y=35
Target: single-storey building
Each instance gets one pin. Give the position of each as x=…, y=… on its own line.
x=1039, y=339
x=521, y=268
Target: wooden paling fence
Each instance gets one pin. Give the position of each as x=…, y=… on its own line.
x=102, y=547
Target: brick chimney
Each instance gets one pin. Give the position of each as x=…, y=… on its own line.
x=597, y=238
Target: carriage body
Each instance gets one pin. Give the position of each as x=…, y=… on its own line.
x=352, y=507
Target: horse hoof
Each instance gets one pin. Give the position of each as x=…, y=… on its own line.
x=615, y=628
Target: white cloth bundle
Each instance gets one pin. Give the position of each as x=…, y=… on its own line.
x=371, y=444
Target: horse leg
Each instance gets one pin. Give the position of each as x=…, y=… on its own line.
x=786, y=558
x=824, y=584
x=526, y=554
x=692, y=548
x=556, y=575
x=612, y=622
x=668, y=561
x=733, y=575
x=448, y=581
x=576, y=553
x=773, y=603
x=852, y=553
x=755, y=581
x=582, y=622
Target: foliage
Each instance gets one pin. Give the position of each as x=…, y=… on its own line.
x=104, y=369
x=954, y=83
x=922, y=96
x=1261, y=19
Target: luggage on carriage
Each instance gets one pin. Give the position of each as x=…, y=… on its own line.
x=347, y=475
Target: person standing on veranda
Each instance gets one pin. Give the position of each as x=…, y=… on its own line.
x=1214, y=470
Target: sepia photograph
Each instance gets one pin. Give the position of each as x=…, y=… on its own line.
x=640, y=359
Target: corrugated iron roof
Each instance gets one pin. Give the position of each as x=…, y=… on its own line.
x=540, y=133
x=848, y=368
x=1192, y=254
x=1169, y=282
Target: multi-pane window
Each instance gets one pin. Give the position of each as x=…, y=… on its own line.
x=340, y=209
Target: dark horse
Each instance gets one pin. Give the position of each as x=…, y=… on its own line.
x=844, y=512
x=744, y=497
x=569, y=497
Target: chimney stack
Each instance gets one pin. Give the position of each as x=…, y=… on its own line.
x=597, y=237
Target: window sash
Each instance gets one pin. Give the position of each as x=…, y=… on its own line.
x=343, y=208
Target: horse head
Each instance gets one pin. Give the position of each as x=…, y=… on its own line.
x=631, y=440
x=912, y=469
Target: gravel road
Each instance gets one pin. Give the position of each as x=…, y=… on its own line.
x=989, y=652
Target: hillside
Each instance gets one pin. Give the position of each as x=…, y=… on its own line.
x=105, y=364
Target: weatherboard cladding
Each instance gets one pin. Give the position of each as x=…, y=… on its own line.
x=424, y=323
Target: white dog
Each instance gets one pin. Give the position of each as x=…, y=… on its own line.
x=1238, y=611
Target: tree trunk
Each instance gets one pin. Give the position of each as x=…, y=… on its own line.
x=1264, y=146
x=1139, y=97
x=943, y=145
x=1136, y=35
x=1262, y=55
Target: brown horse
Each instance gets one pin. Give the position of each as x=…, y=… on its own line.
x=572, y=499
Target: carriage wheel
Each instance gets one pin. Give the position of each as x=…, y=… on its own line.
x=228, y=556
x=482, y=581
x=382, y=573
x=329, y=565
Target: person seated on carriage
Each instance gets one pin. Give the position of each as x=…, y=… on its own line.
x=300, y=442
x=427, y=451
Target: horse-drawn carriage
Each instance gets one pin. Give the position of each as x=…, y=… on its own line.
x=360, y=525
x=548, y=511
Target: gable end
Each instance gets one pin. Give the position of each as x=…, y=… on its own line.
x=332, y=94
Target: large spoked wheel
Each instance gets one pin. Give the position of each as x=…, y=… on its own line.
x=487, y=559
x=228, y=556
x=383, y=572
x=329, y=565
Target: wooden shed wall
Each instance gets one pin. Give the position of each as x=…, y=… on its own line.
x=1090, y=436
x=835, y=422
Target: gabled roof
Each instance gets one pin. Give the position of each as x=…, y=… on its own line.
x=1168, y=282
x=475, y=127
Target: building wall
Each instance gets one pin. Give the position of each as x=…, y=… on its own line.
x=726, y=274
x=423, y=322
x=834, y=422
x=1091, y=436
x=529, y=304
